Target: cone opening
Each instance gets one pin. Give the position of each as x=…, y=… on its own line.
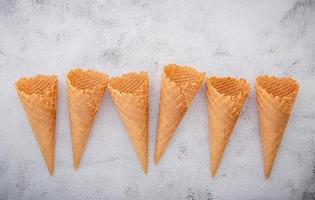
x=182, y=74
x=39, y=84
x=86, y=79
x=227, y=86
x=129, y=83
x=280, y=87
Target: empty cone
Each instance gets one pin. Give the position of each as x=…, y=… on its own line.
x=179, y=85
x=275, y=98
x=130, y=95
x=38, y=96
x=85, y=89
x=226, y=97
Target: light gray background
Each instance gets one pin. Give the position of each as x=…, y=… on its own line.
x=231, y=38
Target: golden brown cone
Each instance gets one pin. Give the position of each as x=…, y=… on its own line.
x=85, y=89
x=179, y=85
x=275, y=98
x=38, y=96
x=226, y=97
x=130, y=95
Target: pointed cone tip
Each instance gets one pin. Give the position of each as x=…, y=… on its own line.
x=76, y=163
x=267, y=173
x=213, y=171
x=156, y=159
x=144, y=166
x=51, y=172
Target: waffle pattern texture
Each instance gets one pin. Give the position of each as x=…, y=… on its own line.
x=130, y=95
x=226, y=97
x=179, y=85
x=38, y=96
x=85, y=89
x=275, y=98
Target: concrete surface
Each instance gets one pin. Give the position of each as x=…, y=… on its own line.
x=235, y=38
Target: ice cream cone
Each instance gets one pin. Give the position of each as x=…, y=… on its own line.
x=179, y=85
x=130, y=95
x=85, y=89
x=275, y=98
x=226, y=97
x=38, y=96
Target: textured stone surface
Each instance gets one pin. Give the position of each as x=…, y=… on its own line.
x=235, y=38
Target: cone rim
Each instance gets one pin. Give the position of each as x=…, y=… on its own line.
x=243, y=90
x=177, y=87
x=86, y=90
x=276, y=97
x=47, y=90
x=144, y=74
x=183, y=67
x=186, y=68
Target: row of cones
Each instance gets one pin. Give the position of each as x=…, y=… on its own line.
x=179, y=85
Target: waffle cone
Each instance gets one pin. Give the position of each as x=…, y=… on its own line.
x=38, y=96
x=179, y=85
x=85, y=89
x=275, y=99
x=130, y=95
x=226, y=97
